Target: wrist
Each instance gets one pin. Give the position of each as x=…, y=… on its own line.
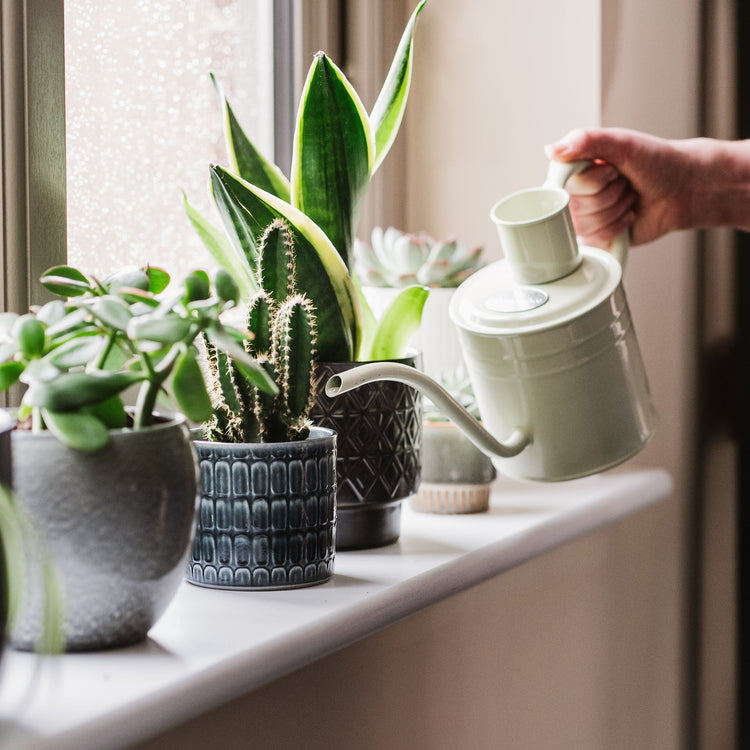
x=720, y=184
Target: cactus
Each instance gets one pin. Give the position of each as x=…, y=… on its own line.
x=282, y=322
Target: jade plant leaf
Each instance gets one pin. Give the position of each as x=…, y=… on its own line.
x=65, y=281
x=398, y=324
x=332, y=155
x=326, y=279
x=189, y=388
x=388, y=110
x=78, y=430
x=72, y=390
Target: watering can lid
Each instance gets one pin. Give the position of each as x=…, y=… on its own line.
x=492, y=302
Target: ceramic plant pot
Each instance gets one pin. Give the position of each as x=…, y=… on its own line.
x=268, y=514
x=117, y=523
x=379, y=428
x=456, y=475
x=6, y=475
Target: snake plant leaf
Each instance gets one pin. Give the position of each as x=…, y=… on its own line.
x=388, y=110
x=332, y=155
x=229, y=256
x=321, y=272
x=398, y=324
x=369, y=323
x=77, y=430
x=245, y=158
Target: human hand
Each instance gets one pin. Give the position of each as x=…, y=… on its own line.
x=637, y=182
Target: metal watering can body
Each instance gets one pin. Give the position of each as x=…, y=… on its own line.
x=549, y=345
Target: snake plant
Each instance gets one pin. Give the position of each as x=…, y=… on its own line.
x=78, y=355
x=283, y=324
x=336, y=150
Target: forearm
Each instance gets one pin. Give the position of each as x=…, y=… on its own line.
x=718, y=185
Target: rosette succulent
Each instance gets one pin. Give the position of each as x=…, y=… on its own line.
x=336, y=150
x=398, y=259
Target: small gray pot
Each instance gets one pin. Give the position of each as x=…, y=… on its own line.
x=456, y=475
x=268, y=514
x=118, y=524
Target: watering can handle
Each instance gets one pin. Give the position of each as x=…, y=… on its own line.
x=559, y=173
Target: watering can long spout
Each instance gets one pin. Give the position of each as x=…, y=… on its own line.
x=373, y=371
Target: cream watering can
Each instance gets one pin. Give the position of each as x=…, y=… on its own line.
x=549, y=346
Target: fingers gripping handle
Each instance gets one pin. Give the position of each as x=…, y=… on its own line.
x=559, y=173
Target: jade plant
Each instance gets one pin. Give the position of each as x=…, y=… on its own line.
x=77, y=355
x=284, y=334
x=396, y=259
x=336, y=150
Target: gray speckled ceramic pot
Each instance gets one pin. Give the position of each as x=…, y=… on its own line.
x=118, y=524
x=6, y=426
x=268, y=514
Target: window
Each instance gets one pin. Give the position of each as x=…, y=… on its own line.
x=143, y=121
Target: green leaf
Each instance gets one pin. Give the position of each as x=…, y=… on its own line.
x=81, y=431
x=111, y=412
x=321, y=274
x=111, y=311
x=225, y=253
x=162, y=330
x=398, y=324
x=332, y=155
x=246, y=160
x=369, y=323
x=158, y=279
x=65, y=281
x=189, y=388
x=129, y=276
x=30, y=335
x=9, y=374
x=388, y=110
x=250, y=368
x=72, y=390
x=77, y=352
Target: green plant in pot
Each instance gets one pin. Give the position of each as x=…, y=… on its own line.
x=268, y=509
x=112, y=492
x=394, y=259
x=456, y=475
x=337, y=148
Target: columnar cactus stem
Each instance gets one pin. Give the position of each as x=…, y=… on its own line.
x=284, y=342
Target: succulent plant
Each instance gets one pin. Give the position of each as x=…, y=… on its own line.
x=398, y=259
x=283, y=324
x=78, y=356
x=336, y=150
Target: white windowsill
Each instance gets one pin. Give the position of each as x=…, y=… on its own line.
x=212, y=646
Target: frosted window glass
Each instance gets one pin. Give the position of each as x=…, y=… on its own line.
x=144, y=123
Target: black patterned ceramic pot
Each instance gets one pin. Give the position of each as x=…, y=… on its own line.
x=267, y=517
x=117, y=523
x=379, y=429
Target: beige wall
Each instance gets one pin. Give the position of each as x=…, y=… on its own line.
x=538, y=69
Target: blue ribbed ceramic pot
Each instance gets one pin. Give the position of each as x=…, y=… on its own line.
x=267, y=517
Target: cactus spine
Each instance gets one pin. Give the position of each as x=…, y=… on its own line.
x=283, y=324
